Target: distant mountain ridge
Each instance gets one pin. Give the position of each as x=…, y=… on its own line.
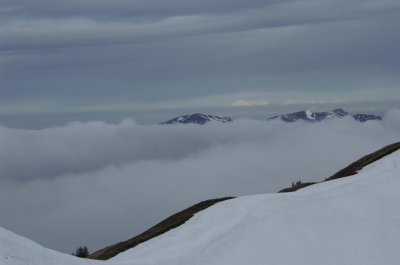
x=197, y=118
x=308, y=115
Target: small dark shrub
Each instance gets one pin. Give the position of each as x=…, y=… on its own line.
x=81, y=252
x=297, y=183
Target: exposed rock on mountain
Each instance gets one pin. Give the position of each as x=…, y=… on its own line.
x=181, y=217
x=353, y=168
x=365, y=117
x=308, y=115
x=347, y=221
x=162, y=227
x=197, y=118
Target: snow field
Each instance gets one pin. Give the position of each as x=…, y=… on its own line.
x=353, y=220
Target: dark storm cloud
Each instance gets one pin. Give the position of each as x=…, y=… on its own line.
x=79, y=54
x=96, y=184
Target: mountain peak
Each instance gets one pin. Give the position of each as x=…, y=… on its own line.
x=197, y=118
x=308, y=115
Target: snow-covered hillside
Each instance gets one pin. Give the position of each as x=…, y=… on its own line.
x=353, y=220
x=17, y=250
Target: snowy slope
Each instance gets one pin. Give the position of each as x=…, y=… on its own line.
x=353, y=220
x=17, y=250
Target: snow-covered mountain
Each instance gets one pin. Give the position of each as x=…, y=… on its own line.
x=308, y=115
x=197, y=118
x=350, y=220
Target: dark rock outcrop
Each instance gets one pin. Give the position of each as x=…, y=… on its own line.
x=297, y=187
x=162, y=227
x=181, y=217
x=353, y=168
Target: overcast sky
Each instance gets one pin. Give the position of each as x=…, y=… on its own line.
x=204, y=56
x=113, y=68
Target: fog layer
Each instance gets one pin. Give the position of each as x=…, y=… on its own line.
x=96, y=184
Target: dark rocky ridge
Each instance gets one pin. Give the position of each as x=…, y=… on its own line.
x=365, y=117
x=181, y=217
x=353, y=168
x=160, y=228
x=297, y=187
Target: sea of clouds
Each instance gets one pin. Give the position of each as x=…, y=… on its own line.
x=96, y=184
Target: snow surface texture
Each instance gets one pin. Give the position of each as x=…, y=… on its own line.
x=353, y=220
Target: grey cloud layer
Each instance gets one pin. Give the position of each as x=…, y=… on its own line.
x=85, y=30
x=78, y=54
x=84, y=147
x=96, y=184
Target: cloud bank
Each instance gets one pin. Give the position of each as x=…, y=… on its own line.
x=95, y=183
x=55, y=57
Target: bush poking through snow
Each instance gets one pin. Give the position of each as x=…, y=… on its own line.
x=297, y=183
x=296, y=186
x=81, y=252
